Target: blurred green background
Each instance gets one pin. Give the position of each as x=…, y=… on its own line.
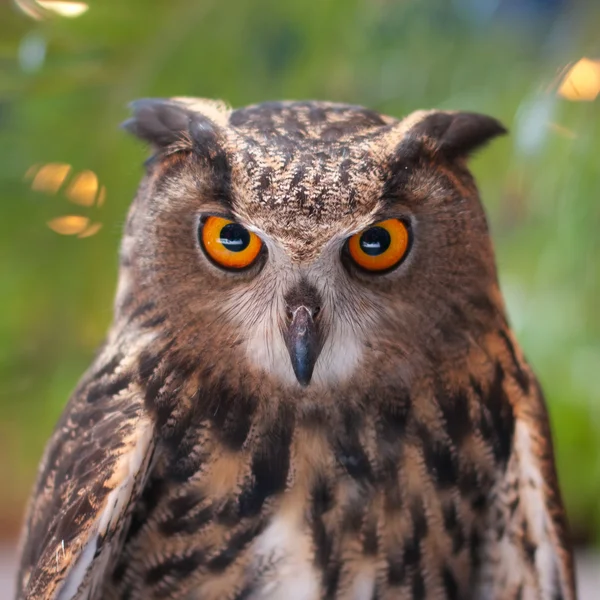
x=67, y=173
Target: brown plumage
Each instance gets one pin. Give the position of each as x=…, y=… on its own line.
x=202, y=457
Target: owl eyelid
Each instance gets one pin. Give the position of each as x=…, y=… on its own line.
x=404, y=217
x=385, y=216
x=222, y=215
x=230, y=217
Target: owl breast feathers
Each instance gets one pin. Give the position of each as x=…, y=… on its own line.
x=310, y=389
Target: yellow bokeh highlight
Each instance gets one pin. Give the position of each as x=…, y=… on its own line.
x=30, y=8
x=93, y=229
x=82, y=189
x=64, y=9
x=69, y=224
x=582, y=81
x=50, y=177
x=101, y=197
x=564, y=131
x=33, y=169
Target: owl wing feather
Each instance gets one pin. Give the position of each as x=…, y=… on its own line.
x=93, y=469
x=528, y=553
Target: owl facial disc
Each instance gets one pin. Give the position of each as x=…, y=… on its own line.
x=302, y=341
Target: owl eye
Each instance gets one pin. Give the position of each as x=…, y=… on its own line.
x=229, y=244
x=380, y=247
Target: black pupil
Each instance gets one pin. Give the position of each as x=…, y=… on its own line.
x=234, y=237
x=375, y=241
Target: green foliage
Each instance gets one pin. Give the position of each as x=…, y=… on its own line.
x=540, y=185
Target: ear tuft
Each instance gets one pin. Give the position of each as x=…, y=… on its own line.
x=158, y=121
x=458, y=134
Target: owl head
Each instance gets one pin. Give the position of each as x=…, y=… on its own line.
x=309, y=244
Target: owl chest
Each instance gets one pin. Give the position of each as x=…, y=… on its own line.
x=286, y=552
x=339, y=533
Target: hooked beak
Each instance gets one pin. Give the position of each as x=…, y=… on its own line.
x=302, y=342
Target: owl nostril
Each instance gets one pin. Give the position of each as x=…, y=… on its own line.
x=314, y=312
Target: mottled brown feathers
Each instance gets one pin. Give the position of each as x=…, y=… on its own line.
x=191, y=464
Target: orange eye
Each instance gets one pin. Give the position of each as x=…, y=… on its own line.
x=380, y=247
x=229, y=244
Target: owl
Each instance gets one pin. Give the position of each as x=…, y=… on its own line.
x=310, y=389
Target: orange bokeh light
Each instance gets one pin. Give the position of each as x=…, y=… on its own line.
x=582, y=81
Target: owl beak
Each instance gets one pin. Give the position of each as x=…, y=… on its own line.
x=302, y=342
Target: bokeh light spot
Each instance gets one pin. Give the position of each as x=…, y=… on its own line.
x=30, y=8
x=101, y=197
x=30, y=173
x=582, y=81
x=50, y=177
x=93, y=229
x=32, y=52
x=82, y=189
x=69, y=224
x=64, y=9
x=563, y=131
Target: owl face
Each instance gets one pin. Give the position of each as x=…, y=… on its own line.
x=314, y=241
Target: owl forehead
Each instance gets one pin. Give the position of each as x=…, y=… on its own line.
x=302, y=198
x=301, y=121
x=305, y=174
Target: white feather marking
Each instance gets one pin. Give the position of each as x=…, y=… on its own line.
x=539, y=522
x=125, y=475
x=77, y=574
x=364, y=586
x=282, y=554
x=512, y=569
x=340, y=356
x=123, y=478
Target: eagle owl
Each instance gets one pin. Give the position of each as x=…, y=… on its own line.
x=310, y=388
